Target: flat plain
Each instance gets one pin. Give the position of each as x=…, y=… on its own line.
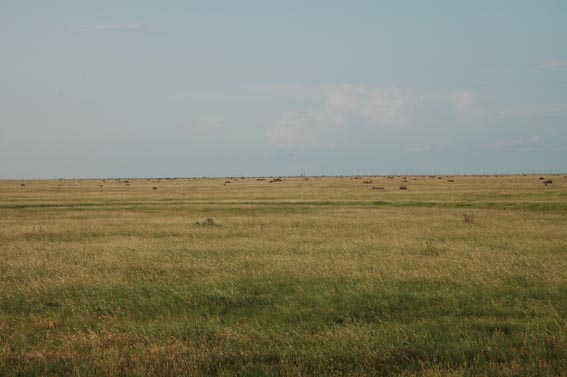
x=317, y=276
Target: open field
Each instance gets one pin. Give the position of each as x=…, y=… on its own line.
x=318, y=276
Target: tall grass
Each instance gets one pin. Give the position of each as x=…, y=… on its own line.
x=305, y=277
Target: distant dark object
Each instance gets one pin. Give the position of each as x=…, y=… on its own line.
x=208, y=221
x=22, y=184
x=276, y=180
x=439, y=177
x=227, y=182
x=541, y=178
x=154, y=188
x=548, y=182
x=260, y=179
x=377, y=188
x=403, y=187
x=367, y=182
x=468, y=218
x=451, y=180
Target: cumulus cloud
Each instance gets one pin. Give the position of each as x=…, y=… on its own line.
x=293, y=129
x=343, y=106
x=466, y=103
x=555, y=63
x=105, y=28
x=381, y=106
x=334, y=111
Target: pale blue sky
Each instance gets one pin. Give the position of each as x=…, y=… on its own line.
x=230, y=88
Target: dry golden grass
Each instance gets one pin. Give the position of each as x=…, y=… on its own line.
x=317, y=276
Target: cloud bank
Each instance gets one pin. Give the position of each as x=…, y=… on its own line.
x=343, y=106
x=347, y=107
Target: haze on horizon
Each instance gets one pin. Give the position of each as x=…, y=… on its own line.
x=250, y=88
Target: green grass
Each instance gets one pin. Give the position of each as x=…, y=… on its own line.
x=301, y=277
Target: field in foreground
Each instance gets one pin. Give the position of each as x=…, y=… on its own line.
x=318, y=276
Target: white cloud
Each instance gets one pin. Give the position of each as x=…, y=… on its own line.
x=105, y=28
x=466, y=104
x=342, y=106
x=555, y=63
x=301, y=129
x=290, y=131
x=381, y=106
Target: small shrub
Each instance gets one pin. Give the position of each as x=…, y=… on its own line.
x=154, y=188
x=548, y=182
x=468, y=218
x=451, y=180
x=367, y=182
x=377, y=188
x=403, y=187
x=209, y=221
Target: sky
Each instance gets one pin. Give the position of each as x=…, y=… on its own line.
x=136, y=88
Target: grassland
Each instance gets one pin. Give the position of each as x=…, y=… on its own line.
x=318, y=276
